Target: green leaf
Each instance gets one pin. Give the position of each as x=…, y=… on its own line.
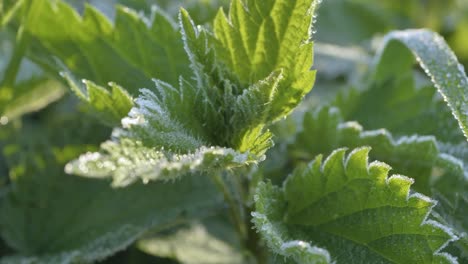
x=396, y=105
x=436, y=172
x=201, y=10
x=129, y=53
x=450, y=190
x=210, y=241
x=250, y=111
x=440, y=64
x=415, y=156
x=29, y=96
x=127, y=162
x=401, y=108
x=258, y=38
x=152, y=45
x=358, y=213
x=167, y=119
x=452, y=210
x=268, y=220
x=458, y=150
x=109, y=107
x=24, y=88
x=215, y=112
x=395, y=98
x=49, y=217
x=160, y=141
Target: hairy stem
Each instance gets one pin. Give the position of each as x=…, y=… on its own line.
x=248, y=235
x=235, y=212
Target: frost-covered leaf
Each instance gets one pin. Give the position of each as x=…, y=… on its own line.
x=356, y=212
x=436, y=172
x=217, y=110
x=210, y=241
x=268, y=220
x=250, y=112
x=440, y=64
x=458, y=150
x=127, y=162
x=111, y=222
x=393, y=102
x=416, y=156
x=244, y=112
x=109, y=107
x=164, y=137
x=396, y=101
x=49, y=217
x=170, y=118
x=450, y=188
x=259, y=37
x=453, y=214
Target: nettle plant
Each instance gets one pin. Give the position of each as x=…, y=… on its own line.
x=191, y=171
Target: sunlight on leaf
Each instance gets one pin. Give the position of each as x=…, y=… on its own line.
x=356, y=212
x=441, y=65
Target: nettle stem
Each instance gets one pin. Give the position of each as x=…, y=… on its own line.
x=242, y=221
x=235, y=208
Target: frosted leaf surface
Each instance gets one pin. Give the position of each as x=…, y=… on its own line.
x=355, y=211
x=441, y=65
x=260, y=37
x=128, y=162
x=416, y=156
x=436, y=172
x=109, y=107
x=50, y=217
x=267, y=218
x=220, y=108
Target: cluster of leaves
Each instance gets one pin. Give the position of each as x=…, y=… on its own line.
x=191, y=173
